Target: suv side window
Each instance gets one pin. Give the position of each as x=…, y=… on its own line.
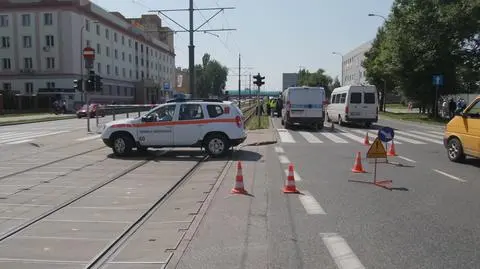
x=214, y=111
x=191, y=112
x=474, y=110
x=164, y=113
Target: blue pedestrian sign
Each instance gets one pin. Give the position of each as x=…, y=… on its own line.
x=166, y=86
x=437, y=80
x=386, y=134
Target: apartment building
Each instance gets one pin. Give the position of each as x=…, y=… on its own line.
x=41, y=45
x=353, y=71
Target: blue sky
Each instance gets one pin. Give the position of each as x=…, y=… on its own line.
x=273, y=36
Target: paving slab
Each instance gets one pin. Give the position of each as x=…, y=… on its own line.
x=51, y=249
x=96, y=214
x=114, y=201
x=73, y=230
x=22, y=264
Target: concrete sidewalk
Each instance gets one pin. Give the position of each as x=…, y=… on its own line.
x=233, y=229
x=18, y=119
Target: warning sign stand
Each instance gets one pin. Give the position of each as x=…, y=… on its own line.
x=376, y=151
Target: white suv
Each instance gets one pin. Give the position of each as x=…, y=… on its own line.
x=213, y=124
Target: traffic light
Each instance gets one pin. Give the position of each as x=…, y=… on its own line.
x=98, y=83
x=91, y=81
x=259, y=80
x=77, y=85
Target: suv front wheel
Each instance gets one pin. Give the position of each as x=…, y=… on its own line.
x=216, y=145
x=122, y=145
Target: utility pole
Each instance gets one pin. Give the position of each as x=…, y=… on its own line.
x=191, y=31
x=250, y=85
x=239, y=79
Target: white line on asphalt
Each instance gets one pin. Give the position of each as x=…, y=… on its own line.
x=341, y=252
x=283, y=159
x=352, y=136
x=35, y=136
x=406, y=159
x=285, y=136
x=438, y=133
x=92, y=137
x=310, y=137
x=421, y=137
x=334, y=138
x=310, y=204
x=19, y=142
x=427, y=134
x=279, y=150
x=295, y=174
x=405, y=139
x=450, y=176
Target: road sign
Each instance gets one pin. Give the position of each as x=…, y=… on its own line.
x=88, y=53
x=386, y=134
x=166, y=85
x=376, y=151
x=437, y=80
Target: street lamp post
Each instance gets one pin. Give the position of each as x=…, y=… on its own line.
x=341, y=55
x=384, y=91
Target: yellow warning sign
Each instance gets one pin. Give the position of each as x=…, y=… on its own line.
x=377, y=150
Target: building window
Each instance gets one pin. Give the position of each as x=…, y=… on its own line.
x=124, y=72
x=3, y=20
x=125, y=91
x=27, y=41
x=116, y=54
x=115, y=37
x=98, y=29
x=27, y=63
x=50, y=63
x=7, y=86
x=108, y=69
x=99, y=49
x=88, y=43
x=48, y=19
x=123, y=40
x=107, y=34
x=118, y=90
x=29, y=88
x=116, y=70
x=6, y=63
x=129, y=43
x=107, y=51
x=130, y=73
x=129, y=58
x=5, y=42
x=49, y=42
x=87, y=25
x=50, y=85
x=99, y=68
x=26, y=20
x=123, y=56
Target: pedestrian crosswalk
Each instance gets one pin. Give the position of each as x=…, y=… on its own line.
x=14, y=138
x=347, y=135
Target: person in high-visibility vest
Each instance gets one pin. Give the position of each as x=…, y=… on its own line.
x=273, y=104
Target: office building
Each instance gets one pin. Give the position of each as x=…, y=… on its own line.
x=41, y=47
x=289, y=80
x=353, y=71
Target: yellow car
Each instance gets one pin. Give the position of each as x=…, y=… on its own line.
x=462, y=133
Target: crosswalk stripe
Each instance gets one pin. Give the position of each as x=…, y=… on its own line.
x=361, y=139
x=435, y=132
x=2, y=136
x=334, y=138
x=421, y=137
x=285, y=136
x=19, y=142
x=310, y=137
x=31, y=136
x=427, y=134
x=92, y=137
x=353, y=137
x=409, y=140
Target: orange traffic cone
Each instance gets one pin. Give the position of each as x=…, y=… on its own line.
x=366, y=142
x=357, y=166
x=239, y=188
x=290, y=184
x=391, y=151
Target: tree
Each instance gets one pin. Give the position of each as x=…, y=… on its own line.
x=210, y=77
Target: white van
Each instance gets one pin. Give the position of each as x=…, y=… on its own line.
x=356, y=104
x=303, y=105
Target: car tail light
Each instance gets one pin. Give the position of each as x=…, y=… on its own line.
x=238, y=121
x=326, y=102
x=346, y=109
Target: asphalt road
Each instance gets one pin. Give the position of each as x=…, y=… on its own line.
x=429, y=220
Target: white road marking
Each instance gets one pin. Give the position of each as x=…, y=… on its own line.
x=283, y=159
x=352, y=136
x=295, y=175
x=32, y=136
x=285, y=136
x=438, y=133
x=421, y=137
x=427, y=134
x=92, y=137
x=310, y=204
x=20, y=142
x=334, y=138
x=341, y=252
x=310, y=137
x=409, y=140
x=406, y=159
x=450, y=176
x=279, y=150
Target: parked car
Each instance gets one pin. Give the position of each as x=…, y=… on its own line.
x=94, y=109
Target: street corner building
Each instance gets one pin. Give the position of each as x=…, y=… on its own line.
x=41, y=54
